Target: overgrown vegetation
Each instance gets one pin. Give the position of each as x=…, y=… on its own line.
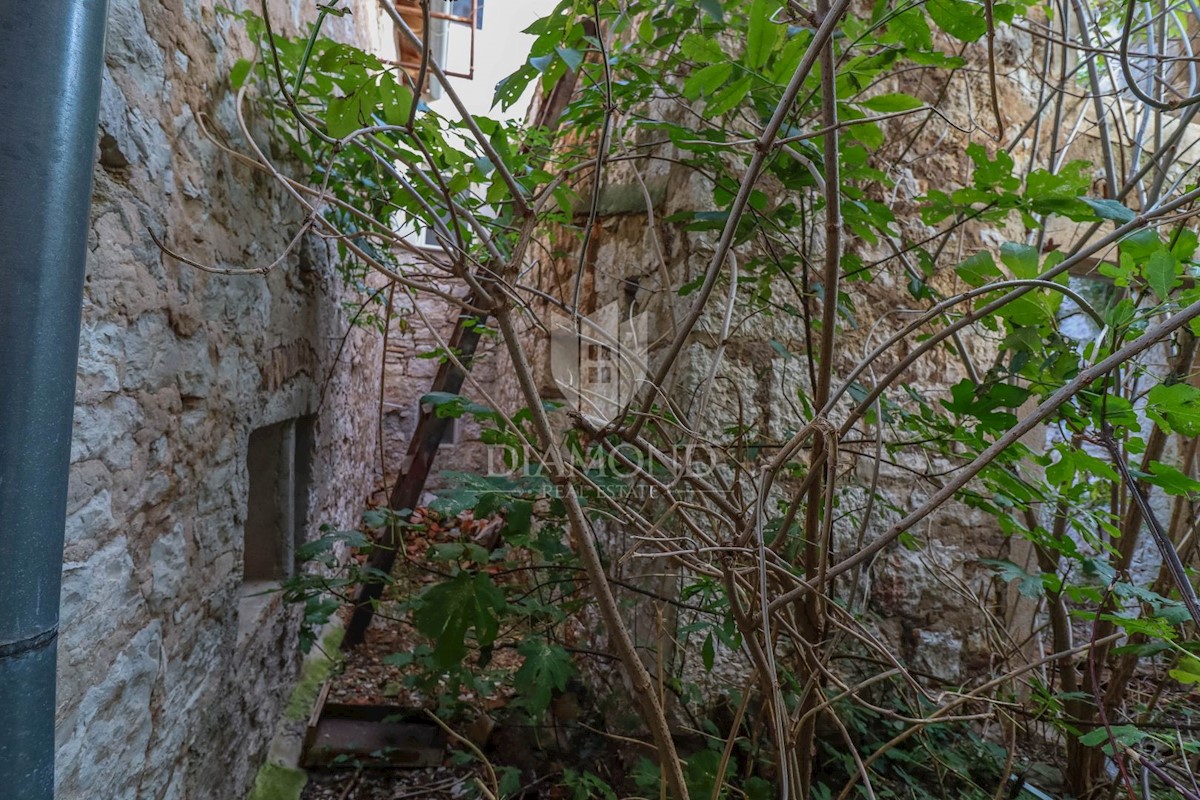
x=801, y=123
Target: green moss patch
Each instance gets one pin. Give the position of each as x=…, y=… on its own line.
x=275, y=782
x=312, y=675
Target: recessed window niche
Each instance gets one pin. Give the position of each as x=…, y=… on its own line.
x=279, y=461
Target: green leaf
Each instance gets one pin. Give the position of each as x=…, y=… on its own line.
x=757, y=788
x=518, y=518
x=762, y=34
x=344, y=115
x=239, y=73
x=312, y=550
x=546, y=669
x=702, y=49
x=978, y=269
x=571, y=57
x=646, y=775
x=1188, y=671
x=1022, y=259
x=1062, y=472
x=449, y=404
x=962, y=20
x=448, y=610
x=1140, y=245
x=701, y=772
x=447, y=551
x=1007, y=395
x=510, y=89
x=713, y=8
x=396, y=100
x=789, y=56
x=968, y=399
x=1188, y=297
x=992, y=172
x=909, y=29
x=869, y=133
x=1171, y=480
x=1030, y=310
x=1162, y=274
x=1110, y=209
x=1175, y=407
x=1125, y=734
x=378, y=517
x=1096, y=466
x=1071, y=181
x=892, y=102
x=1184, y=244
x=510, y=782
x=707, y=80
x=1028, y=585
x=726, y=99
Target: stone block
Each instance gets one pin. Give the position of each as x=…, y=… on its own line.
x=105, y=431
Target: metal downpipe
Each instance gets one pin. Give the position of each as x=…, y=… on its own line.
x=51, y=52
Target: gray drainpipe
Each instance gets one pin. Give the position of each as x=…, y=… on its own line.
x=51, y=53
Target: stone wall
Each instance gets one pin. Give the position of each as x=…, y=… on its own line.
x=419, y=328
x=170, y=680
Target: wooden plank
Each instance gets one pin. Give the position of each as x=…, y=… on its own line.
x=373, y=736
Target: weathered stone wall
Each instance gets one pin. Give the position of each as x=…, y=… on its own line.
x=170, y=680
x=420, y=327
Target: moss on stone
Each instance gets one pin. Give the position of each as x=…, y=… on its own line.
x=312, y=675
x=276, y=782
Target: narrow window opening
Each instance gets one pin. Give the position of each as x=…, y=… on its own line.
x=279, y=463
x=266, y=514
x=449, y=433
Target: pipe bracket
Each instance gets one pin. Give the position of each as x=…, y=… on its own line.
x=20, y=647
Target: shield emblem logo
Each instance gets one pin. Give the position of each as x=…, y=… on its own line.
x=599, y=361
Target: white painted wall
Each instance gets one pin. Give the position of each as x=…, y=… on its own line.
x=500, y=48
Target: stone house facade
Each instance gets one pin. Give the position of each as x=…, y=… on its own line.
x=218, y=423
